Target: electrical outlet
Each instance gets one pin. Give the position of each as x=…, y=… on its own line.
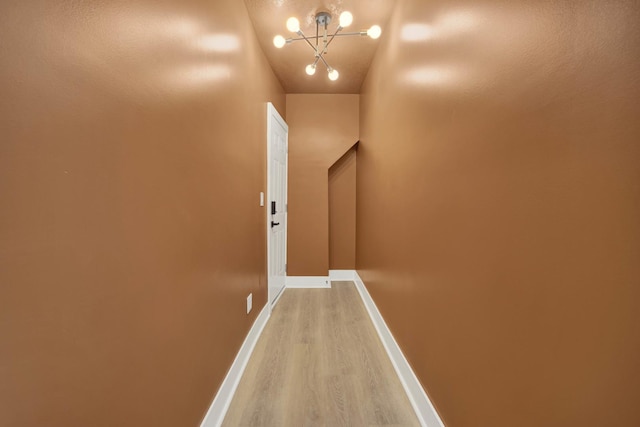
x=249, y=303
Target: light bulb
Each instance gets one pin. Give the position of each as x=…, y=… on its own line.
x=293, y=25
x=279, y=41
x=333, y=74
x=346, y=18
x=311, y=69
x=374, y=32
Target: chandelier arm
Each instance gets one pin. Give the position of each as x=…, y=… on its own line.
x=325, y=63
x=353, y=33
x=358, y=33
x=324, y=39
x=331, y=39
x=320, y=56
x=305, y=38
x=326, y=45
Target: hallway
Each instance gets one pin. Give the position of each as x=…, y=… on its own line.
x=476, y=167
x=319, y=362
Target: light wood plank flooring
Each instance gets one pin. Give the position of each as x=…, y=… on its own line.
x=319, y=362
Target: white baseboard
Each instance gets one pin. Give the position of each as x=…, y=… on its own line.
x=425, y=410
x=340, y=275
x=308, y=282
x=218, y=409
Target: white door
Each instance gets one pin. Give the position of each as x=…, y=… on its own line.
x=277, y=143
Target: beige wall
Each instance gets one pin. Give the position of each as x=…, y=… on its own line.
x=498, y=207
x=321, y=129
x=342, y=213
x=131, y=160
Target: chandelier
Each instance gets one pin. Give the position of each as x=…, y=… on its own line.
x=323, y=39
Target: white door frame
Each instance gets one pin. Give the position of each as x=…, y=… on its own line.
x=272, y=114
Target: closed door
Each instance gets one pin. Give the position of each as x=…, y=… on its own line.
x=277, y=142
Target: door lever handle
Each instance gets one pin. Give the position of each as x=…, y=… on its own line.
x=273, y=224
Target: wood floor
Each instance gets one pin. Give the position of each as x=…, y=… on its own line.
x=319, y=362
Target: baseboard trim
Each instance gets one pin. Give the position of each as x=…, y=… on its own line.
x=423, y=407
x=308, y=282
x=340, y=275
x=220, y=405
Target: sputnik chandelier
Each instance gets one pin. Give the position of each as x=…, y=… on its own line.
x=323, y=19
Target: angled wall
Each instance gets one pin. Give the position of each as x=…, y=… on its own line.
x=321, y=129
x=498, y=206
x=131, y=160
x=342, y=212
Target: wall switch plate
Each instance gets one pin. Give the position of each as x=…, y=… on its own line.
x=261, y=198
x=249, y=303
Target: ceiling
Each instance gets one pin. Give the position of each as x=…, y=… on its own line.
x=351, y=56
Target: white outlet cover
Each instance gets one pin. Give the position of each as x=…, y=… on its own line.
x=249, y=303
x=261, y=198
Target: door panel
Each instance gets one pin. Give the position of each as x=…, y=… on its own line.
x=277, y=142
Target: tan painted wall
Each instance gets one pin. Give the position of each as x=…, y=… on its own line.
x=131, y=160
x=321, y=129
x=342, y=212
x=498, y=221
